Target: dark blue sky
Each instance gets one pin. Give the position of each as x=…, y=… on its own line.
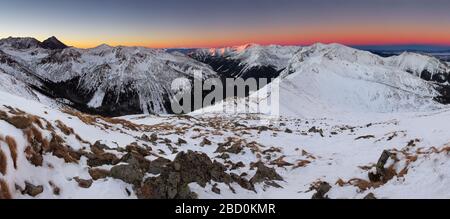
x=194, y=23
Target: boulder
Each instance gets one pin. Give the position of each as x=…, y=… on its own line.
x=127, y=173
x=264, y=173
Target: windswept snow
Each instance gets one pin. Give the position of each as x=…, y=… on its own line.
x=323, y=80
x=97, y=99
x=347, y=119
x=139, y=75
x=253, y=55
x=304, y=152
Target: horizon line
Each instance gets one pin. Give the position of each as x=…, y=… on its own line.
x=374, y=44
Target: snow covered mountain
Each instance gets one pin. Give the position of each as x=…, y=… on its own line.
x=321, y=78
x=105, y=80
x=352, y=125
x=334, y=79
x=424, y=66
x=246, y=61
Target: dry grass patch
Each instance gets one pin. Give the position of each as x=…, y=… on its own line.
x=4, y=190
x=11, y=142
x=64, y=128
x=3, y=163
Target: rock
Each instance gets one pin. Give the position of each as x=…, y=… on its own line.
x=172, y=149
x=280, y=162
x=56, y=189
x=215, y=189
x=262, y=128
x=99, y=148
x=32, y=190
x=322, y=189
x=264, y=173
x=272, y=150
x=33, y=157
x=127, y=173
x=157, y=165
x=316, y=130
x=244, y=183
x=383, y=159
x=136, y=160
x=99, y=157
x=145, y=137
x=166, y=141
x=83, y=183
x=97, y=174
x=235, y=148
x=273, y=184
x=198, y=167
x=153, y=137
x=237, y=165
x=134, y=147
x=224, y=156
x=205, y=142
x=370, y=196
x=168, y=187
x=365, y=137
x=181, y=141
x=220, y=149
x=186, y=168
x=380, y=174
x=288, y=131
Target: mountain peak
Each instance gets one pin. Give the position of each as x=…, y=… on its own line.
x=20, y=42
x=53, y=43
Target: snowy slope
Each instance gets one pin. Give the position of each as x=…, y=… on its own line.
x=105, y=80
x=333, y=79
x=57, y=157
x=11, y=85
x=253, y=55
x=241, y=61
x=427, y=67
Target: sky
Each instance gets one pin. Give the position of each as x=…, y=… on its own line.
x=218, y=23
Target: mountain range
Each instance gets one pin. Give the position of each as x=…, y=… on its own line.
x=349, y=123
x=116, y=81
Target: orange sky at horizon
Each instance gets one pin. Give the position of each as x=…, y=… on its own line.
x=361, y=34
x=218, y=23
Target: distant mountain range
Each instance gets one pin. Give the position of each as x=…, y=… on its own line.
x=403, y=48
x=115, y=81
x=427, y=48
x=341, y=123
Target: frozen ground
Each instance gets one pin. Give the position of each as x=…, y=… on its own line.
x=306, y=154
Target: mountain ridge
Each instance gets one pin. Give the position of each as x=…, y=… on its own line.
x=121, y=80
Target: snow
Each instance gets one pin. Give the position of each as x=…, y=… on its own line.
x=97, y=99
x=253, y=55
x=337, y=156
x=417, y=63
x=361, y=103
x=146, y=72
x=333, y=79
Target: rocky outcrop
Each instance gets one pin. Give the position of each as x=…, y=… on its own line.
x=186, y=168
x=53, y=43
